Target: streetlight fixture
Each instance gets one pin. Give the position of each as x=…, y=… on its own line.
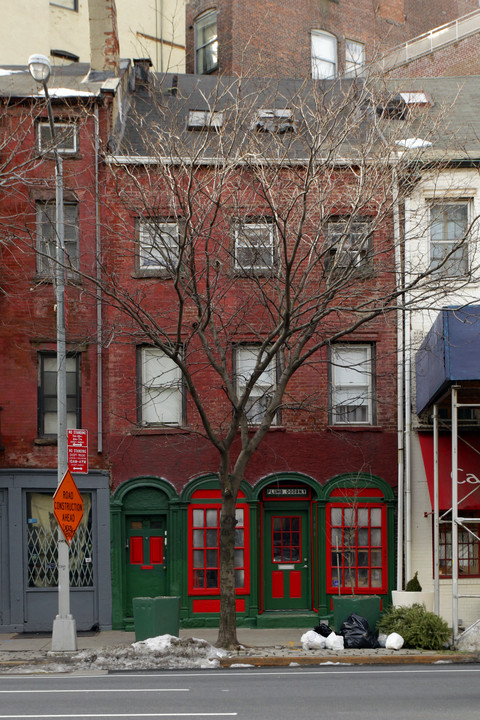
x=64, y=633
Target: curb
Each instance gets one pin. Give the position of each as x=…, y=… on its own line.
x=283, y=660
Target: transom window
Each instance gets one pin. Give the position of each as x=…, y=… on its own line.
x=205, y=563
x=468, y=550
x=161, y=401
x=158, y=245
x=47, y=393
x=206, y=43
x=66, y=137
x=324, y=55
x=352, y=384
x=349, y=244
x=47, y=237
x=260, y=395
x=254, y=246
x=448, y=242
x=356, y=547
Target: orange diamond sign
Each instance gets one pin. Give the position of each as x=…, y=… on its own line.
x=68, y=506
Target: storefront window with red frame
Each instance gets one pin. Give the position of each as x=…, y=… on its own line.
x=204, y=549
x=356, y=548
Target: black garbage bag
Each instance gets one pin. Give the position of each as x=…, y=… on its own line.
x=357, y=634
x=323, y=629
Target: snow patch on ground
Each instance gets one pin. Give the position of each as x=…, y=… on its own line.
x=164, y=651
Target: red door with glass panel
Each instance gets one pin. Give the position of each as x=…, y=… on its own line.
x=145, y=562
x=286, y=560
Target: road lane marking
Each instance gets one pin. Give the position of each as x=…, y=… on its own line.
x=95, y=690
x=123, y=715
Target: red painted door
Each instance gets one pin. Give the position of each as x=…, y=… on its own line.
x=286, y=560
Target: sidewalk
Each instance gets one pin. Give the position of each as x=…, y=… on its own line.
x=273, y=647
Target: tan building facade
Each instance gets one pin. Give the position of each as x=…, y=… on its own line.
x=147, y=28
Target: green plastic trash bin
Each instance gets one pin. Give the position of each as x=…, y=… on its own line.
x=367, y=606
x=156, y=616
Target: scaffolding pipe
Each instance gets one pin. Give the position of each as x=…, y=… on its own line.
x=454, y=513
x=436, y=516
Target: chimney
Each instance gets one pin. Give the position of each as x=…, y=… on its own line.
x=104, y=45
x=141, y=68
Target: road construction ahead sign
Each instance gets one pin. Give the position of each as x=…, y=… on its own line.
x=68, y=506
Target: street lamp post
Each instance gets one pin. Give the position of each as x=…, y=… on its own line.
x=64, y=633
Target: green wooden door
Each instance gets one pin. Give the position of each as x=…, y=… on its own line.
x=286, y=560
x=145, y=558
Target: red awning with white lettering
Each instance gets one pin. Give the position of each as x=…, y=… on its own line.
x=468, y=470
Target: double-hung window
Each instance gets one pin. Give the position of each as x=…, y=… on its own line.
x=354, y=57
x=352, y=386
x=349, y=244
x=47, y=238
x=448, y=238
x=65, y=141
x=246, y=357
x=47, y=393
x=161, y=391
x=254, y=247
x=324, y=55
x=206, y=43
x=158, y=250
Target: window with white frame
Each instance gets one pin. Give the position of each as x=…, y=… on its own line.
x=254, y=247
x=246, y=357
x=47, y=393
x=349, y=243
x=354, y=57
x=47, y=236
x=448, y=238
x=65, y=141
x=158, y=245
x=352, y=386
x=324, y=55
x=206, y=43
x=161, y=401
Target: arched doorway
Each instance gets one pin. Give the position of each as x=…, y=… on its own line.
x=140, y=527
x=288, y=555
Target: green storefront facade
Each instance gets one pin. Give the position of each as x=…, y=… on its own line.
x=298, y=543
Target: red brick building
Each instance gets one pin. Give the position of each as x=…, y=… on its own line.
x=281, y=39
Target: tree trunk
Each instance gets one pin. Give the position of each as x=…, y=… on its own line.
x=227, y=633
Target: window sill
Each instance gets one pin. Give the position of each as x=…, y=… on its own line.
x=159, y=430
x=355, y=428
x=45, y=441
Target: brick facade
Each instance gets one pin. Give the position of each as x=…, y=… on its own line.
x=273, y=38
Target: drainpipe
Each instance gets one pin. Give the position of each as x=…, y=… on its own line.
x=400, y=281
x=98, y=291
x=408, y=413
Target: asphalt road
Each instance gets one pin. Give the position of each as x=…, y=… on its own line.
x=392, y=693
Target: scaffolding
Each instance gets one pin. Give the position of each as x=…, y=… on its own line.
x=457, y=519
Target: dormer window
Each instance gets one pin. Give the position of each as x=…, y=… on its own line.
x=206, y=43
x=65, y=141
x=274, y=120
x=204, y=120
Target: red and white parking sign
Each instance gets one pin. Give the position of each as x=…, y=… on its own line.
x=77, y=443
